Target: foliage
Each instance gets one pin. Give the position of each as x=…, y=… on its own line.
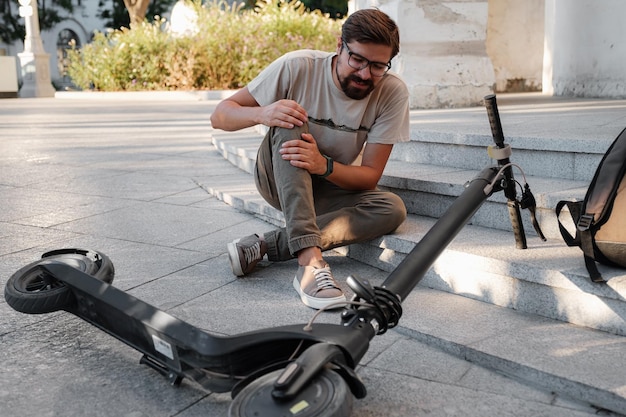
x=11, y=26
x=335, y=8
x=229, y=48
x=116, y=15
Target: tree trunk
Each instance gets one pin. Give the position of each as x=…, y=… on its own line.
x=136, y=10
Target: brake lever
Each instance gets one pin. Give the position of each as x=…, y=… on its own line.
x=528, y=202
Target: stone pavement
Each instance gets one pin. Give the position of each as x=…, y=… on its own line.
x=127, y=175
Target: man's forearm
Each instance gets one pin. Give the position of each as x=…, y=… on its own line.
x=354, y=177
x=230, y=116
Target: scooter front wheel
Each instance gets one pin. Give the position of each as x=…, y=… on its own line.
x=33, y=291
x=326, y=396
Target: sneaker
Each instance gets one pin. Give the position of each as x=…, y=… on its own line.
x=245, y=253
x=317, y=287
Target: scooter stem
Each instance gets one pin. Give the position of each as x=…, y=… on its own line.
x=415, y=265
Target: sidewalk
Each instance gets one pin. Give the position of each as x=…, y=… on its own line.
x=129, y=178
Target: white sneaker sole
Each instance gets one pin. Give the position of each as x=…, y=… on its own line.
x=233, y=257
x=313, y=302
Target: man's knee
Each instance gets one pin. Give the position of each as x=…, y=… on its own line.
x=388, y=211
x=397, y=211
x=282, y=134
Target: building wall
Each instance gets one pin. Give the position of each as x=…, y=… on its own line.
x=443, y=57
x=515, y=34
x=82, y=23
x=454, y=52
x=585, y=48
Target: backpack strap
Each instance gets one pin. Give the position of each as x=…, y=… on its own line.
x=586, y=244
x=583, y=237
x=574, y=208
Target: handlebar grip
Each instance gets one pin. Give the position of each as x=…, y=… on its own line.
x=516, y=224
x=494, y=120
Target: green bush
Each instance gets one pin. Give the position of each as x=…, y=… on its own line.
x=230, y=47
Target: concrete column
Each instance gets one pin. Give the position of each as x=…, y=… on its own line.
x=515, y=38
x=584, y=49
x=35, y=62
x=443, y=56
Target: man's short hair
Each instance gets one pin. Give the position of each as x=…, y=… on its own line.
x=372, y=26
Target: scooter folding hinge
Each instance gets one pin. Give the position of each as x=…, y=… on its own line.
x=498, y=153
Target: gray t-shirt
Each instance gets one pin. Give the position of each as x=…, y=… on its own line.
x=339, y=124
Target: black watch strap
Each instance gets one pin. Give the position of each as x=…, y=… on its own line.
x=329, y=166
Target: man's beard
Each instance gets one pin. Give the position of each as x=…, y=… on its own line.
x=353, y=92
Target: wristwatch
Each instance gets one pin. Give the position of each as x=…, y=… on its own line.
x=329, y=166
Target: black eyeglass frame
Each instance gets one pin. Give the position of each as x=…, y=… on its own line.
x=367, y=62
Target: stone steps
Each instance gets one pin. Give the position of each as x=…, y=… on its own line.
x=428, y=189
x=555, y=328
x=548, y=278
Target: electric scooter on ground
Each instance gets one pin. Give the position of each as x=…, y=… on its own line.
x=305, y=370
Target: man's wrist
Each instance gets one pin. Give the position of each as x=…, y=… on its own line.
x=329, y=166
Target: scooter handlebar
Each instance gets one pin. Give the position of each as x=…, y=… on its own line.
x=509, y=184
x=494, y=120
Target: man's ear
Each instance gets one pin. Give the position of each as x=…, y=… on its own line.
x=339, y=44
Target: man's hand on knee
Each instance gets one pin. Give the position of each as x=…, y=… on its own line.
x=284, y=113
x=304, y=154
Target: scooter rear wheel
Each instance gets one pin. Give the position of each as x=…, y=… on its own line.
x=326, y=396
x=31, y=290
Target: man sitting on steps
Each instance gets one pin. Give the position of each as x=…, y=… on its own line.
x=322, y=110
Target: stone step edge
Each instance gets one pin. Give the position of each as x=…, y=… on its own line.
x=578, y=362
x=597, y=146
x=399, y=242
x=526, y=143
x=488, y=280
x=240, y=149
x=480, y=244
x=577, y=390
x=404, y=239
x=571, y=283
x=259, y=208
x=529, y=373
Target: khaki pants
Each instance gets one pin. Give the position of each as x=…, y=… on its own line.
x=317, y=212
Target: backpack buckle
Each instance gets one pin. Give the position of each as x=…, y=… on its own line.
x=584, y=222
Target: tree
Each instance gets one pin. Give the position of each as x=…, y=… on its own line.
x=336, y=9
x=11, y=28
x=119, y=15
x=136, y=10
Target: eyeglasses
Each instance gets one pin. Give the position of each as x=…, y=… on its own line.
x=358, y=62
